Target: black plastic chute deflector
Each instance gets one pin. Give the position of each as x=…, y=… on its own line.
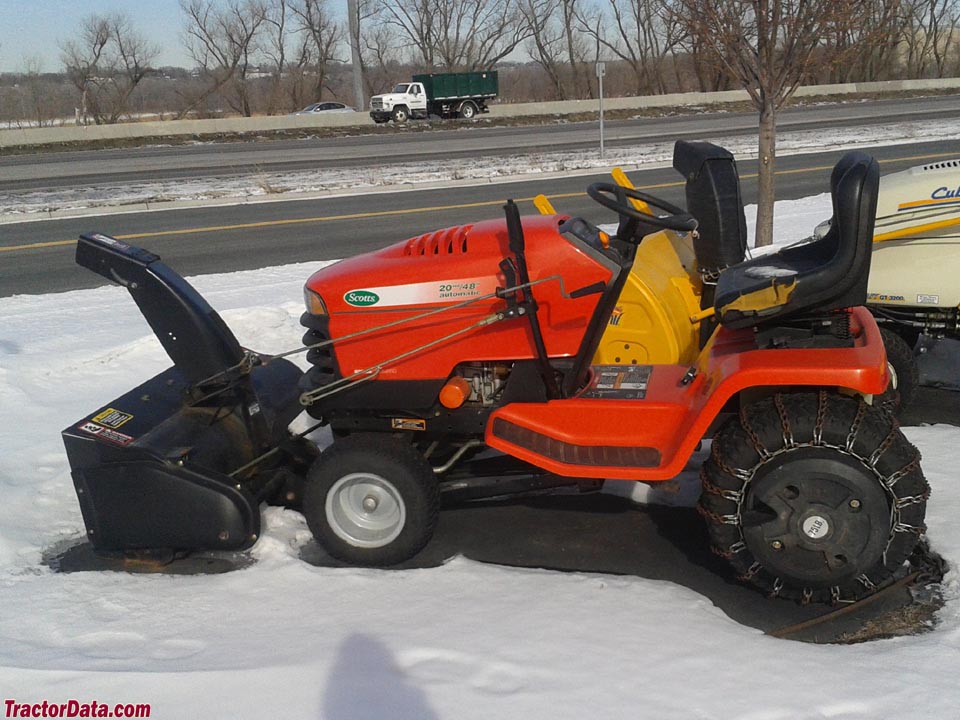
x=195, y=337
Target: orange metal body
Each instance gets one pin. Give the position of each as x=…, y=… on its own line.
x=444, y=268
x=674, y=417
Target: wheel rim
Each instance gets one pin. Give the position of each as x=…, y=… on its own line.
x=468, y=111
x=813, y=521
x=365, y=510
x=893, y=376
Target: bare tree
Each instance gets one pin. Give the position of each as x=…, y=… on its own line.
x=456, y=34
x=545, y=44
x=642, y=33
x=870, y=47
x=931, y=25
x=222, y=41
x=771, y=47
x=379, y=43
x=35, y=100
x=322, y=34
x=106, y=64
x=277, y=31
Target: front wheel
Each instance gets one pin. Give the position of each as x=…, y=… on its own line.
x=814, y=496
x=400, y=114
x=371, y=500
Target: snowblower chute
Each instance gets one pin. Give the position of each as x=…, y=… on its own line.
x=182, y=461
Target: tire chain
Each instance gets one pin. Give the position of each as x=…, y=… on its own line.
x=746, y=476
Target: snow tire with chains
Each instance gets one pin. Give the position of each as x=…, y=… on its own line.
x=817, y=497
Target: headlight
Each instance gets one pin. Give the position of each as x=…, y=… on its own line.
x=314, y=303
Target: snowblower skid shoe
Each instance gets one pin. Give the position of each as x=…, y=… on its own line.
x=182, y=461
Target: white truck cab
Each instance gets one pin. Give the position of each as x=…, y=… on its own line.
x=408, y=100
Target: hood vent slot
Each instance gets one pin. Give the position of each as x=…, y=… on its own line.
x=451, y=241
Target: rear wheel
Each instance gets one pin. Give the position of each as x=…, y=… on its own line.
x=904, y=373
x=371, y=500
x=814, y=496
x=468, y=111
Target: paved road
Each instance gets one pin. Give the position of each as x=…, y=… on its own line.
x=409, y=145
x=37, y=257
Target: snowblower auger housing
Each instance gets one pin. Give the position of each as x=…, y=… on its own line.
x=163, y=466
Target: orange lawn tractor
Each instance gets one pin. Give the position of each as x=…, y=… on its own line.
x=529, y=352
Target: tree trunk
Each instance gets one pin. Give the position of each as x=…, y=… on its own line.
x=766, y=181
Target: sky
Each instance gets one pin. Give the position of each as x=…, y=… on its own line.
x=35, y=29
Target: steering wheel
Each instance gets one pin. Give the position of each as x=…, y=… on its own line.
x=615, y=197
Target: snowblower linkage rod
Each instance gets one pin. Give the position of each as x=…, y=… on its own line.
x=308, y=398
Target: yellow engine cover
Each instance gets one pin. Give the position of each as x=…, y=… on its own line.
x=652, y=324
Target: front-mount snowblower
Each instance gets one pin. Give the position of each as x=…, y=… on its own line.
x=530, y=352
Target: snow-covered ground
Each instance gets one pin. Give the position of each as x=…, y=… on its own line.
x=485, y=169
x=283, y=639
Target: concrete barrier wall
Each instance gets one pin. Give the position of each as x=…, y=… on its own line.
x=44, y=136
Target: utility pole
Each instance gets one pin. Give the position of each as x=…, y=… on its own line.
x=354, y=18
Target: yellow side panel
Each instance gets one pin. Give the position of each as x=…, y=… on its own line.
x=651, y=323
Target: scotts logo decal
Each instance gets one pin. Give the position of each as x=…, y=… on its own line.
x=361, y=298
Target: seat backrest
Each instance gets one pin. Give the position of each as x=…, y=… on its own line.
x=713, y=198
x=847, y=247
x=816, y=276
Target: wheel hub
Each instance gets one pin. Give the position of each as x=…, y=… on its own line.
x=817, y=518
x=366, y=510
x=816, y=527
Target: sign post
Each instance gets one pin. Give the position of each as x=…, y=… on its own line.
x=601, y=71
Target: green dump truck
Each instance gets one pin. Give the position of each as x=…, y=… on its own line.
x=447, y=95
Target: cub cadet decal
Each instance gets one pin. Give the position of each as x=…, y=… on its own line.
x=361, y=298
x=880, y=297
x=425, y=293
x=112, y=418
x=941, y=196
x=943, y=193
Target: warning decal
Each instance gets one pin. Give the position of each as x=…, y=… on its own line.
x=112, y=418
x=106, y=433
x=624, y=382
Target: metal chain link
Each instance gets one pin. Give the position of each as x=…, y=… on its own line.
x=788, y=442
x=754, y=438
x=747, y=475
x=821, y=417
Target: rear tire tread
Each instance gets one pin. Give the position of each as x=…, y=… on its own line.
x=850, y=426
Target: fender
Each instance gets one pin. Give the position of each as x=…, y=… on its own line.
x=596, y=434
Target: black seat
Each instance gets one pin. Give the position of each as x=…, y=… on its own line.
x=816, y=276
